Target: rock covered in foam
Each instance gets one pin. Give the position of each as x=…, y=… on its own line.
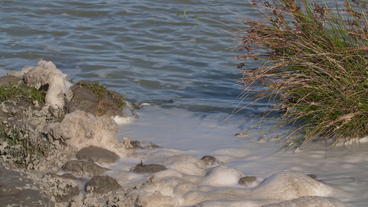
x=186, y=164
x=45, y=74
x=80, y=129
x=309, y=201
x=290, y=185
x=222, y=176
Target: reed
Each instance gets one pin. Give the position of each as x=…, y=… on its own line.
x=314, y=59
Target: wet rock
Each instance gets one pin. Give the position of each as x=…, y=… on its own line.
x=18, y=190
x=127, y=143
x=208, y=160
x=97, y=100
x=143, y=145
x=247, y=180
x=64, y=176
x=97, y=154
x=83, y=168
x=150, y=168
x=102, y=185
x=8, y=80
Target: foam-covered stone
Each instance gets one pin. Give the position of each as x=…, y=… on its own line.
x=309, y=201
x=45, y=74
x=290, y=185
x=80, y=129
x=222, y=176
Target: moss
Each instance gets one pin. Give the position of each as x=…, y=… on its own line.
x=16, y=91
x=98, y=90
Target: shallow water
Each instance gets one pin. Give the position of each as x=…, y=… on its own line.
x=145, y=49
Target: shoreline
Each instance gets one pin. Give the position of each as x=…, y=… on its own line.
x=171, y=177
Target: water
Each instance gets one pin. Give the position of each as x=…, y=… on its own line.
x=145, y=49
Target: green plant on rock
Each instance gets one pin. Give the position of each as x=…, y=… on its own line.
x=17, y=91
x=98, y=90
x=314, y=60
x=20, y=147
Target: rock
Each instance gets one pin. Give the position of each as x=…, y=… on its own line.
x=309, y=201
x=18, y=190
x=47, y=76
x=97, y=154
x=64, y=176
x=8, y=80
x=150, y=168
x=126, y=142
x=222, y=176
x=102, y=185
x=245, y=181
x=211, y=161
x=97, y=100
x=290, y=185
x=143, y=145
x=62, y=190
x=185, y=164
x=83, y=168
x=80, y=129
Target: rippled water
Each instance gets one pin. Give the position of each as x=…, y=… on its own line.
x=146, y=49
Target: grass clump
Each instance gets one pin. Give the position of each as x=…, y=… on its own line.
x=314, y=64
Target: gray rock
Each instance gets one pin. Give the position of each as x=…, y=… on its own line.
x=97, y=154
x=208, y=160
x=102, y=185
x=97, y=100
x=83, y=168
x=8, y=80
x=151, y=168
x=64, y=176
x=245, y=181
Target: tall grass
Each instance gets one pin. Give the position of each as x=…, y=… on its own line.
x=314, y=58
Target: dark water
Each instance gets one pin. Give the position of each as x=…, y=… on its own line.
x=145, y=49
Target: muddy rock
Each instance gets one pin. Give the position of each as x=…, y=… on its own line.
x=150, y=168
x=97, y=154
x=97, y=100
x=83, y=168
x=102, y=185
